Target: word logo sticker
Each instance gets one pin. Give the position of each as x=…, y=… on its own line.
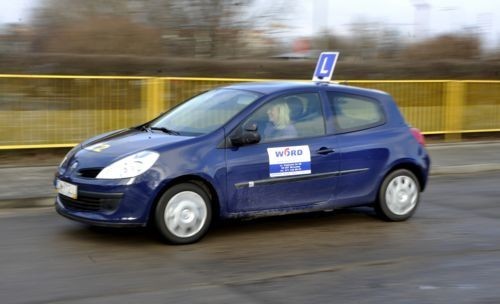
x=288, y=161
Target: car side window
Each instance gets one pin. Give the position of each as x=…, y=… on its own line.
x=354, y=112
x=288, y=117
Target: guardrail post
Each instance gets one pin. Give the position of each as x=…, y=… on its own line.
x=167, y=87
x=454, y=110
x=154, y=97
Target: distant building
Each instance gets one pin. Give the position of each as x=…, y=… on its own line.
x=301, y=49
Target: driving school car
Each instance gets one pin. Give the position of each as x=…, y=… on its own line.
x=213, y=157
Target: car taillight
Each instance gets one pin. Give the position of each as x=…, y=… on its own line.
x=418, y=136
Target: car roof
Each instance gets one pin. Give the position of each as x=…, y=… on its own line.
x=279, y=86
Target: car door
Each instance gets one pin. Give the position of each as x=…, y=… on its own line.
x=282, y=173
x=362, y=143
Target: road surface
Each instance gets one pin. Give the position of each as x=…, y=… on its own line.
x=449, y=252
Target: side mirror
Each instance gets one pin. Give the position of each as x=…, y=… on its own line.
x=246, y=136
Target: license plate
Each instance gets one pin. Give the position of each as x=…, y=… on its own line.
x=67, y=189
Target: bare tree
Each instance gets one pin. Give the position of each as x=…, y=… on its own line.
x=209, y=28
x=456, y=46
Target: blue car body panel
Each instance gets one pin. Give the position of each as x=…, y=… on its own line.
x=238, y=178
x=250, y=164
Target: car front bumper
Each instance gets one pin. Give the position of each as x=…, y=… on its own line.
x=91, y=219
x=125, y=202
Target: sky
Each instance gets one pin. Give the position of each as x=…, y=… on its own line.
x=440, y=16
x=14, y=11
x=309, y=16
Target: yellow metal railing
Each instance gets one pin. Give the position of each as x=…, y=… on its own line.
x=60, y=111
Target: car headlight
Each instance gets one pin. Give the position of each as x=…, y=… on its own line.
x=130, y=166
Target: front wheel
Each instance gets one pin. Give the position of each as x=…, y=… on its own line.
x=183, y=214
x=398, y=196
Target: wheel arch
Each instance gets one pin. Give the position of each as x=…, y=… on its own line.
x=413, y=168
x=193, y=179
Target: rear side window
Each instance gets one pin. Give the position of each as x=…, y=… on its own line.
x=354, y=112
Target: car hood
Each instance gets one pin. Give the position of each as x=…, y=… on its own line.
x=107, y=148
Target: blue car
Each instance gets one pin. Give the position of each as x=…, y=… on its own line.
x=248, y=150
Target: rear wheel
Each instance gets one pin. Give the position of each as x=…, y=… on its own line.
x=183, y=214
x=398, y=196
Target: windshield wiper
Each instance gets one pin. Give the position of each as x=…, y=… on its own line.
x=165, y=130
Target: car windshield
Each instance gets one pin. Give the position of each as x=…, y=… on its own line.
x=206, y=112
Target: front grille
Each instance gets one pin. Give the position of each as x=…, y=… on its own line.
x=92, y=201
x=90, y=172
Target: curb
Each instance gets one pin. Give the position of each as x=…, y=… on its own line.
x=27, y=203
x=464, y=169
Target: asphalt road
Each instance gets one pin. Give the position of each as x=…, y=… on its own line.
x=449, y=252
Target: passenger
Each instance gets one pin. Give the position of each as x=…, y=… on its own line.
x=279, y=126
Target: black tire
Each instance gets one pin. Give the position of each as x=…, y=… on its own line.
x=183, y=214
x=396, y=206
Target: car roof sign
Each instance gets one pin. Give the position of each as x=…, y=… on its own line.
x=325, y=66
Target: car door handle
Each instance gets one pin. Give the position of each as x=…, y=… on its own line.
x=325, y=150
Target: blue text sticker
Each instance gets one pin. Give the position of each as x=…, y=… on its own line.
x=287, y=161
x=325, y=66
